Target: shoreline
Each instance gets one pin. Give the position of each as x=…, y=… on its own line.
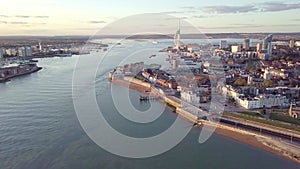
x=279, y=148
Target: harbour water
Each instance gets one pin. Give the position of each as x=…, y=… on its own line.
x=39, y=127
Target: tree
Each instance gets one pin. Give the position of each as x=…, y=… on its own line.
x=240, y=82
x=268, y=83
x=251, y=68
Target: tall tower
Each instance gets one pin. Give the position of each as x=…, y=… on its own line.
x=267, y=44
x=246, y=44
x=40, y=46
x=177, y=37
x=258, y=47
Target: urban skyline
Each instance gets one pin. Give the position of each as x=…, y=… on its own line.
x=65, y=17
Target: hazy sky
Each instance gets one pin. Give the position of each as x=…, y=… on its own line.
x=78, y=17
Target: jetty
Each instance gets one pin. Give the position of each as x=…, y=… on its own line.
x=148, y=98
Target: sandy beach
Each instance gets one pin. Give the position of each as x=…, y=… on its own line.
x=277, y=147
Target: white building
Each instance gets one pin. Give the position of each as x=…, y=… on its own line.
x=7, y=52
x=189, y=96
x=263, y=101
x=269, y=101
x=267, y=74
x=249, y=103
x=279, y=72
x=235, y=48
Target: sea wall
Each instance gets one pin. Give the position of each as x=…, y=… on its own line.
x=186, y=115
x=136, y=81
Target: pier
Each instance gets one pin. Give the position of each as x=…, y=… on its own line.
x=148, y=98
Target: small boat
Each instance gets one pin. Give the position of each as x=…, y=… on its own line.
x=152, y=56
x=64, y=55
x=32, y=60
x=155, y=42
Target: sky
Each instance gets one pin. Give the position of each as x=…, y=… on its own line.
x=78, y=17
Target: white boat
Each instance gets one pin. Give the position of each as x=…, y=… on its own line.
x=155, y=42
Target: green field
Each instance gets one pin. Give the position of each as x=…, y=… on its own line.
x=249, y=113
x=263, y=121
x=284, y=118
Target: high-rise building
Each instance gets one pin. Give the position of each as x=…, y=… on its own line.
x=292, y=43
x=246, y=44
x=223, y=44
x=1, y=52
x=21, y=52
x=267, y=44
x=11, y=52
x=28, y=51
x=40, y=46
x=7, y=52
x=258, y=47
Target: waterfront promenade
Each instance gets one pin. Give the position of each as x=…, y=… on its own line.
x=266, y=137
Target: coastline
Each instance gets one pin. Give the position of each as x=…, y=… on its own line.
x=265, y=143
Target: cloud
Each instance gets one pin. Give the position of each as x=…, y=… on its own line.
x=96, y=22
x=176, y=18
x=229, y=9
x=18, y=23
x=23, y=23
x=201, y=16
x=162, y=25
x=245, y=25
x=189, y=7
x=172, y=12
x=234, y=26
x=41, y=16
x=93, y=29
x=259, y=7
x=22, y=16
x=278, y=6
x=285, y=25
